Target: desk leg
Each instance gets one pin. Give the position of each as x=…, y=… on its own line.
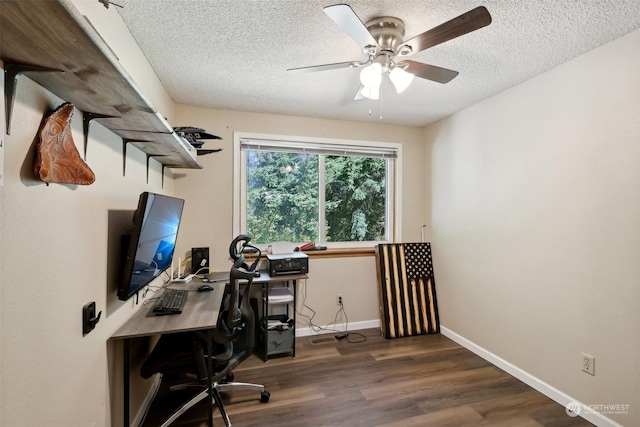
x=264, y=322
x=210, y=374
x=293, y=332
x=127, y=380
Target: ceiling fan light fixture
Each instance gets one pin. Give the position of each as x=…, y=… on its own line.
x=371, y=76
x=370, y=92
x=400, y=79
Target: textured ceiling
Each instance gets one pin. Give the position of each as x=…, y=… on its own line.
x=233, y=54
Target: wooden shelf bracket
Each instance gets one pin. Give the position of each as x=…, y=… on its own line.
x=12, y=72
x=86, y=120
x=149, y=156
x=126, y=141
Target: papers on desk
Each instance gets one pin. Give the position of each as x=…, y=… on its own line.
x=282, y=247
x=280, y=322
x=279, y=295
x=218, y=276
x=277, y=325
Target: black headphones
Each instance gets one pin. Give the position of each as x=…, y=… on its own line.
x=230, y=319
x=236, y=253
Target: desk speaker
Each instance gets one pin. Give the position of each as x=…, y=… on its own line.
x=200, y=260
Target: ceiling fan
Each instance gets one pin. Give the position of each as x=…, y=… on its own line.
x=382, y=42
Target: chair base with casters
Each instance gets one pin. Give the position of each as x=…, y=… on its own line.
x=216, y=400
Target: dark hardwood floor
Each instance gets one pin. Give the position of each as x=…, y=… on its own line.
x=427, y=380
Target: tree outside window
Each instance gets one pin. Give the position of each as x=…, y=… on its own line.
x=355, y=199
x=323, y=191
x=282, y=196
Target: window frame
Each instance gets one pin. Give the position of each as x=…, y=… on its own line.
x=393, y=190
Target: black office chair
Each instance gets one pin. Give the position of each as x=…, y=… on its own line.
x=180, y=352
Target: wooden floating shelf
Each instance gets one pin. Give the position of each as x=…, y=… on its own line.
x=55, y=46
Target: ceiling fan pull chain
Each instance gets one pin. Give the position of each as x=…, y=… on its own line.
x=380, y=103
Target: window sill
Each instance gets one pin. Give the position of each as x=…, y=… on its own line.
x=332, y=253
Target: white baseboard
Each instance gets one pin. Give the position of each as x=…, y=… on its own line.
x=537, y=384
x=148, y=399
x=544, y=388
x=352, y=326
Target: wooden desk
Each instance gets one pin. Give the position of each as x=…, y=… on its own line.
x=200, y=313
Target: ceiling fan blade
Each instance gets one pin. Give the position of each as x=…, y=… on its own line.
x=314, y=68
x=347, y=19
x=463, y=24
x=430, y=72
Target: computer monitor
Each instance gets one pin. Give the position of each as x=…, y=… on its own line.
x=149, y=249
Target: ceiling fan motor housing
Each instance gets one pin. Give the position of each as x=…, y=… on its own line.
x=388, y=33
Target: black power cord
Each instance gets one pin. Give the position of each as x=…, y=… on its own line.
x=341, y=311
x=346, y=334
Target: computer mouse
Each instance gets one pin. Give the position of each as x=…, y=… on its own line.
x=205, y=288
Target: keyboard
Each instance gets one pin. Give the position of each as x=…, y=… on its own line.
x=170, y=302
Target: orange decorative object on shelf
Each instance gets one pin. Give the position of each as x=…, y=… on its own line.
x=57, y=158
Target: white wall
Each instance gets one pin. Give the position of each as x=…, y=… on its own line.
x=59, y=247
x=56, y=257
x=535, y=225
x=209, y=192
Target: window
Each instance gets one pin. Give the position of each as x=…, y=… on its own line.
x=334, y=193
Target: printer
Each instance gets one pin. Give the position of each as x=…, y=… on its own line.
x=286, y=264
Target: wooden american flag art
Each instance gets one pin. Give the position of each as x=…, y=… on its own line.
x=407, y=291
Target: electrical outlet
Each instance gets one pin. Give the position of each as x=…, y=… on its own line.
x=339, y=299
x=588, y=364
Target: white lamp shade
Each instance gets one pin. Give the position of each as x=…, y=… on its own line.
x=400, y=79
x=371, y=75
x=370, y=92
